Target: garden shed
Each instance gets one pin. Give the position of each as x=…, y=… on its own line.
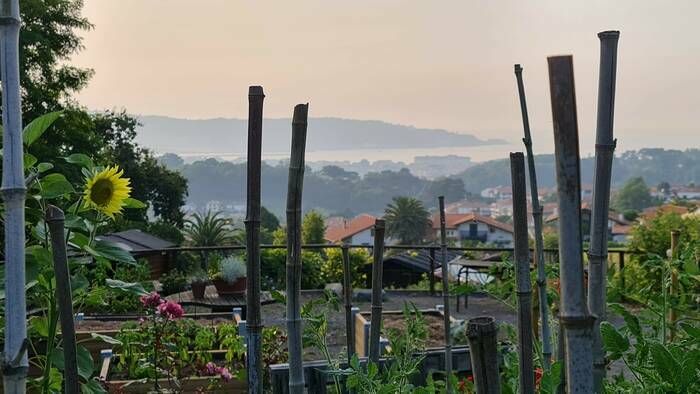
x=143, y=245
x=406, y=268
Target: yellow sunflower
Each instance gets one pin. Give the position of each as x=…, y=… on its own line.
x=106, y=191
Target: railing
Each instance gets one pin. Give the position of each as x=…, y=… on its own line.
x=616, y=256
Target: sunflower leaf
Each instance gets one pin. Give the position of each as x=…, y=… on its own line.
x=133, y=203
x=38, y=126
x=110, y=251
x=55, y=185
x=80, y=159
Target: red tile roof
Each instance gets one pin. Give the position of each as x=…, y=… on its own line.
x=339, y=232
x=453, y=220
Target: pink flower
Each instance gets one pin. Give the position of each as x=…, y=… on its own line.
x=210, y=369
x=171, y=310
x=151, y=300
x=225, y=374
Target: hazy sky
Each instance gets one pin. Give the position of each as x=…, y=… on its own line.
x=442, y=64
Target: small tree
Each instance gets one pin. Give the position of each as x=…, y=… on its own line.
x=209, y=229
x=313, y=228
x=634, y=195
x=407, y=220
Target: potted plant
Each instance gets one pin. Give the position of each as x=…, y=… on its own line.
x=231, y=276
x=198, y=282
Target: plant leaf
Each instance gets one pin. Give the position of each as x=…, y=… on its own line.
x=55, y=185
x=80, y=159
x=38, y=126
x=133, y=287
x=110, y=251
x=133, y=203
x=664, y=363
x=614, y=342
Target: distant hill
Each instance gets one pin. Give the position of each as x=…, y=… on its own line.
x=655, y=165
x=226, y=136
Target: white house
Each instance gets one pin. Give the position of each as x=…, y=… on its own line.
x=357, y=231
x=472, y=227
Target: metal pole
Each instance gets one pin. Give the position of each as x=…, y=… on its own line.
x=537, y=221
x=294, y=196
x=574, y=315
x=15, y=363
x=482, y=333
x=604, y=153
x=446, y=295
x=377, y=268
x=252, y=226
x=55, y=220
x=522, y=273
x=347, y=295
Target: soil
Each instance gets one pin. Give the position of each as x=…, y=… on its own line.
x=435, y=325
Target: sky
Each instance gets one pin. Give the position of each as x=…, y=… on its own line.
x=436, y=64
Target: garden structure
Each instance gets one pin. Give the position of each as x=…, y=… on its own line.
x=54, y=341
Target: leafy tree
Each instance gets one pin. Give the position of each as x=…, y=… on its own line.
x=407, y=220
x=209, y=229
x=634, y=195
x=313, y=228
x=268, y=220
x=451, y=188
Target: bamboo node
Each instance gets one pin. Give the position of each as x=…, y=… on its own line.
x=577, y=321
x=592, y=256
x=607, y=147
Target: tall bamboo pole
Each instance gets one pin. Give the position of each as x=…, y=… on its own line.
x=522, y=273
x=537, y=221
x=482, y=333
x=15, y=362
x=445, y=295
x=574, y=313
x=294, y=195
x=252, y=227
x=377, y=268
x=347, y=296
x=55, y=220
x=673, y=288
x=604, y=152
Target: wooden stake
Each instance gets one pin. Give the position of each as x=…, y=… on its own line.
x=347, y=295
x=537, y=221
x=574, y=313
x=446, y=295
x=252, y=226
x=482, y=333
x=604, y=153
x=294, y=197
x=55, y=220
x=15, y=362
x=522, y=273
x=673, y=290
x=377, y=268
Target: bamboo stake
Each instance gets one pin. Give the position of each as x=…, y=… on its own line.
x=252, y=226
x=294, y=196
x=446, y=295
x=14, y=363
x=673, y=290
x=604, y=153
x=482, y=333
x=574, y=315
x=522, y=273
x=537, y=221
x=377, y=268
x=347, y=295
x=55, y=220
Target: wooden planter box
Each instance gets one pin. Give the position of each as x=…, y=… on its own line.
x=362, y=328
x=193, y=385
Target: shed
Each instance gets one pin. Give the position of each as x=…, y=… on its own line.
x=144, y=245
x=406, y=268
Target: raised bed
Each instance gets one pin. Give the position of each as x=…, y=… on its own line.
x=192, y=385
x=394, y=319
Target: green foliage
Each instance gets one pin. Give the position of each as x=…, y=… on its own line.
x=232, y=269
x=173, y=282
x=313, y=228
x=209, y=229
x=332, y=267
x=634, y=195
x=407, y=220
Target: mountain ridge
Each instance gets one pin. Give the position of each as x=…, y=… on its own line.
x=227, y=135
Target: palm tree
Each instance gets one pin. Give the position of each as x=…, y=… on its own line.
x=210, y=229
x=407, y=220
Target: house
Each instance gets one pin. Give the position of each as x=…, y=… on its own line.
x=651, y=212
x=502, y=208
x=498, y=192
x=144, y=245
x=686, y=192
x=473, y=227
x=466, y=206
x=358, y=230
x=617, y=225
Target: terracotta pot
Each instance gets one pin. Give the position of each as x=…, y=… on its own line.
x=198, y=290
x=225, y=288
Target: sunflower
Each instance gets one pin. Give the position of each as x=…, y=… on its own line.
x=107, y=191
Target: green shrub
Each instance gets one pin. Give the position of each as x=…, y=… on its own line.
x=173, y=282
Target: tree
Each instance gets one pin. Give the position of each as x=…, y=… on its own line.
x=209, y=229
x=313, y=228
x=634, y=195
x=268, y=220
x=407, y=220
x=451, y=188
